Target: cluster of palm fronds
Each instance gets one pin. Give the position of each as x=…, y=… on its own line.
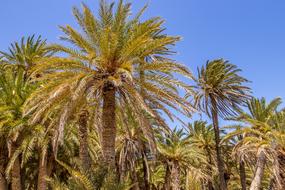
x=92, y=114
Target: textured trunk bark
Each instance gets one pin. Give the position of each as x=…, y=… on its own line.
x=210, y=185
x=3, y=182
x=175, y=176
x=242, y=172
x=220, y=161
x=135, y=181
x=83, y=140
x=50, y=164
x=145, y=172
x=3, y=157
x=281, y=162
x=242, y=175
x=16, y=171
x=109, y=126
x=42, y=184
x=209, y=181
x=259, y=171
x=167, y=178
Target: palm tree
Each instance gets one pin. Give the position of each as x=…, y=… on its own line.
x=5, y=116
x=220, y=92
x=132, y=149
x=16, y=87
x=202, y=137
x=104, y=66
x=27, y=52
x=258, y=138
x=278, y=124
x=13, y=92
x=177, y=152
x=235, y=140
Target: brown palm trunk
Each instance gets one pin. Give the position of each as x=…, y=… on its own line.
x=3, y=157
x=50, y=164
x=3, y=182
x=220, y=161
x=175, y=176
x=167, y=178
x=242, y=172
x=109, y=125
x=134, y=178
x=281, y=162
x=16, y=171
x=209, y=181
x=83, y=140
x=42, y=184
x=259, y=171
x=145, y=172
x=242, y=175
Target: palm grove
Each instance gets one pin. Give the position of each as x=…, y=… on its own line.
x=90, y=114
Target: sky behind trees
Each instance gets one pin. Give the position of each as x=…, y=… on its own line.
x=249, y=34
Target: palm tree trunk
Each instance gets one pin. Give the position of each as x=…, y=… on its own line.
x=175, y=176
x=42, y=184
x=242, y=175
x=167, y=178
x=281, y=162
x=83, y=141
x=16, y=171
x=145, y=170
x=209, y=181
x=220, y=161
x=3, y=181
x=109, y=126
x=259, y=171
x=134, y=178
x=50, y=164
x=242, y=172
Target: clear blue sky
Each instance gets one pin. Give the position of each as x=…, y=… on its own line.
x=249, y=33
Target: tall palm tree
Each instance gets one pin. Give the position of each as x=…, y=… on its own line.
x=259, y=137
x=3, y=149
x=220, y=92
x=13, y=92
x=16, y=87
x=104, y=65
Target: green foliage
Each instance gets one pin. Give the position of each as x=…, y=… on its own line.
x=51, y=107
x=220, y=88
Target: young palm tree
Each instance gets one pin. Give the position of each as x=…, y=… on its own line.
x=220, y=92
x=278, y=123
x=103, y=65
x=178, y=152
x=242, y=166
x=132, y=149
x=203, y=137
x=26, y=52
